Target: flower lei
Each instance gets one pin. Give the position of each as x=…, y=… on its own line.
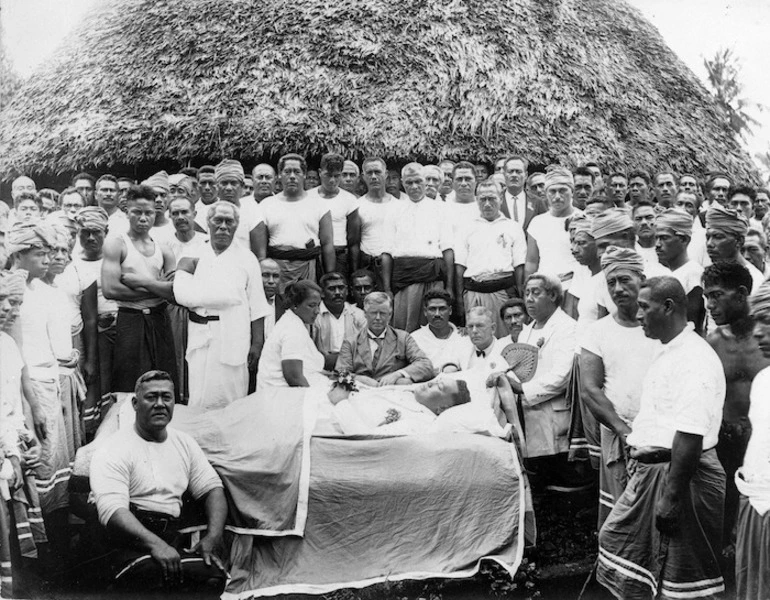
x=345, y=380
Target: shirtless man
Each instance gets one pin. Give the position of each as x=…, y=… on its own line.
x=726, y=288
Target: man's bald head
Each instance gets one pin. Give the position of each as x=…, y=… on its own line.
x=22, y=184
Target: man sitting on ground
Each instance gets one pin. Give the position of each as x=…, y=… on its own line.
x=138, y=479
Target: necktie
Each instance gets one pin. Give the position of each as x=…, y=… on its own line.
x=515, y=210
x=376, y=355
x=481, y=354
x=443, y=197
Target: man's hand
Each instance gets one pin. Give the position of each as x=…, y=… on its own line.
x=39, y=421
x=133, y=280
x=71, y=361
x=170, y=562
x=255, y=351
x=390, y=379
x=667, y=512
x=90, y=370
x=494, y=379
x=31, y=457
x=18, y=475
x=206, y=547
x=337, y=394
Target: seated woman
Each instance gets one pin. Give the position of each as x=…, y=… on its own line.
x=290, y=357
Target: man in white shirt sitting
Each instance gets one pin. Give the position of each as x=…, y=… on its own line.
x=139, y=476
x=485, y=349
x=439, y=339
x=337, y=320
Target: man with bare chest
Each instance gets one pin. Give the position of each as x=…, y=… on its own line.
x=727, y=287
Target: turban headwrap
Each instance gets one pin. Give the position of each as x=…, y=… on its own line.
x=727, y=220
x=760, y=301
x=92, y=217
x=229, y=168
x=615, y=258
x=610, y=221
x=412, y=169
x=183, y=181
x=676, y=220
x=559, y=176
x=13, y=283
x=580, y=224
x=25, y=236
x=159, y=180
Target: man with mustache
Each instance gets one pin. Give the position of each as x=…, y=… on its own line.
x=663, y=534
x=727, y=287
x=439, y=339
x=337, y=320
x=222, y=288
x=107, y=197
x=643, y=214
x=138, y=479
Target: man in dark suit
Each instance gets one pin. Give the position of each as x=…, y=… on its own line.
x=380, y=354
x=515, y=203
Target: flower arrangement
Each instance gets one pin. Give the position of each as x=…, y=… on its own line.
x=391, y=416
x=344, y=380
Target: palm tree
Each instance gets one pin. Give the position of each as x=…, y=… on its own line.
x=724, y=76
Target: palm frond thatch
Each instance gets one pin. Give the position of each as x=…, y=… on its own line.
x=568, y=80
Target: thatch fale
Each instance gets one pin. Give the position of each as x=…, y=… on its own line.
x=567, y=80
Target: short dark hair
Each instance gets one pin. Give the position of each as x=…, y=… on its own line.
x=511, y=157
x=744, y=189
x=371, y=159
x=585, y=172
x=642, y=204
x=68, y=192
x=136, y=192
x=666, y=287
x=717, y=175
x=463, y=393
x=332, y=276
x=619, y=174
x=206, y=170
x=437, y=294
x=287, y=157
x=154, y=375
x=764, y=191
x=593, y=163
x=666, y=172
x=299, y=291
x=511, y=303
x=640, y=174
x=729, y=274
x=83, y=176
x=127, y=180
x=34, y=196
x=49, y=193
x=463, y=164
x=332, y=162
x=189, y=171
x=363, y=273
x=106, y=177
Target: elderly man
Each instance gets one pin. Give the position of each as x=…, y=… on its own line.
x=515, y=204
x=544, y=401
x=337, y=320
x=251, y=228
x=726, y=230
x=341, y=204
x=21, y=185
x=298, y=228
x=752, y=562
x=380, y=354
x=727, y=287
x=107, y=196
x=139, y=476
x=223, y=291
x=489, y=256
x=418, y=253
x=207, y=187
x=673, y=232
x=263, y=176
x=663, y=535
x=717, y=187
x=349, y=178
x=433, y=178
x=484, y=351
x=613, y=362
x=367, y=226
x=548, y=245
x=134, y=273
x=439, y=339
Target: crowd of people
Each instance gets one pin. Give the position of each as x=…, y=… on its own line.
x=644, y=297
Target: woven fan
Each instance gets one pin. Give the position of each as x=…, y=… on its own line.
x=522, y=358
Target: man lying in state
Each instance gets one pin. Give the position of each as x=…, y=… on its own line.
x=442, y=404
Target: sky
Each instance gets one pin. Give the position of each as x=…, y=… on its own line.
x=694, y=29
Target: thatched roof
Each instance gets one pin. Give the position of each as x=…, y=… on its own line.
x=569, y=80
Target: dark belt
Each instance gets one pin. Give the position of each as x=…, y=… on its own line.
x=143, y=311
x=201, y=320
x=155, y=521
x=489, y=286
x=106, y=320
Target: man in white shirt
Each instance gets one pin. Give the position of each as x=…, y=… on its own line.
x=446, y=192
x=349, y=179
x=107, y=197
x=484, y=351
x=207, y=186
x=138, y=479
x=337, y=320
x=418, y=251
x=515, y=205
x=263, y=176
x=489, y=256
x=752, y=562
x=643, y=215
x=663, y=535
x=223, y=290
x=439, y=339
x=433, y=178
